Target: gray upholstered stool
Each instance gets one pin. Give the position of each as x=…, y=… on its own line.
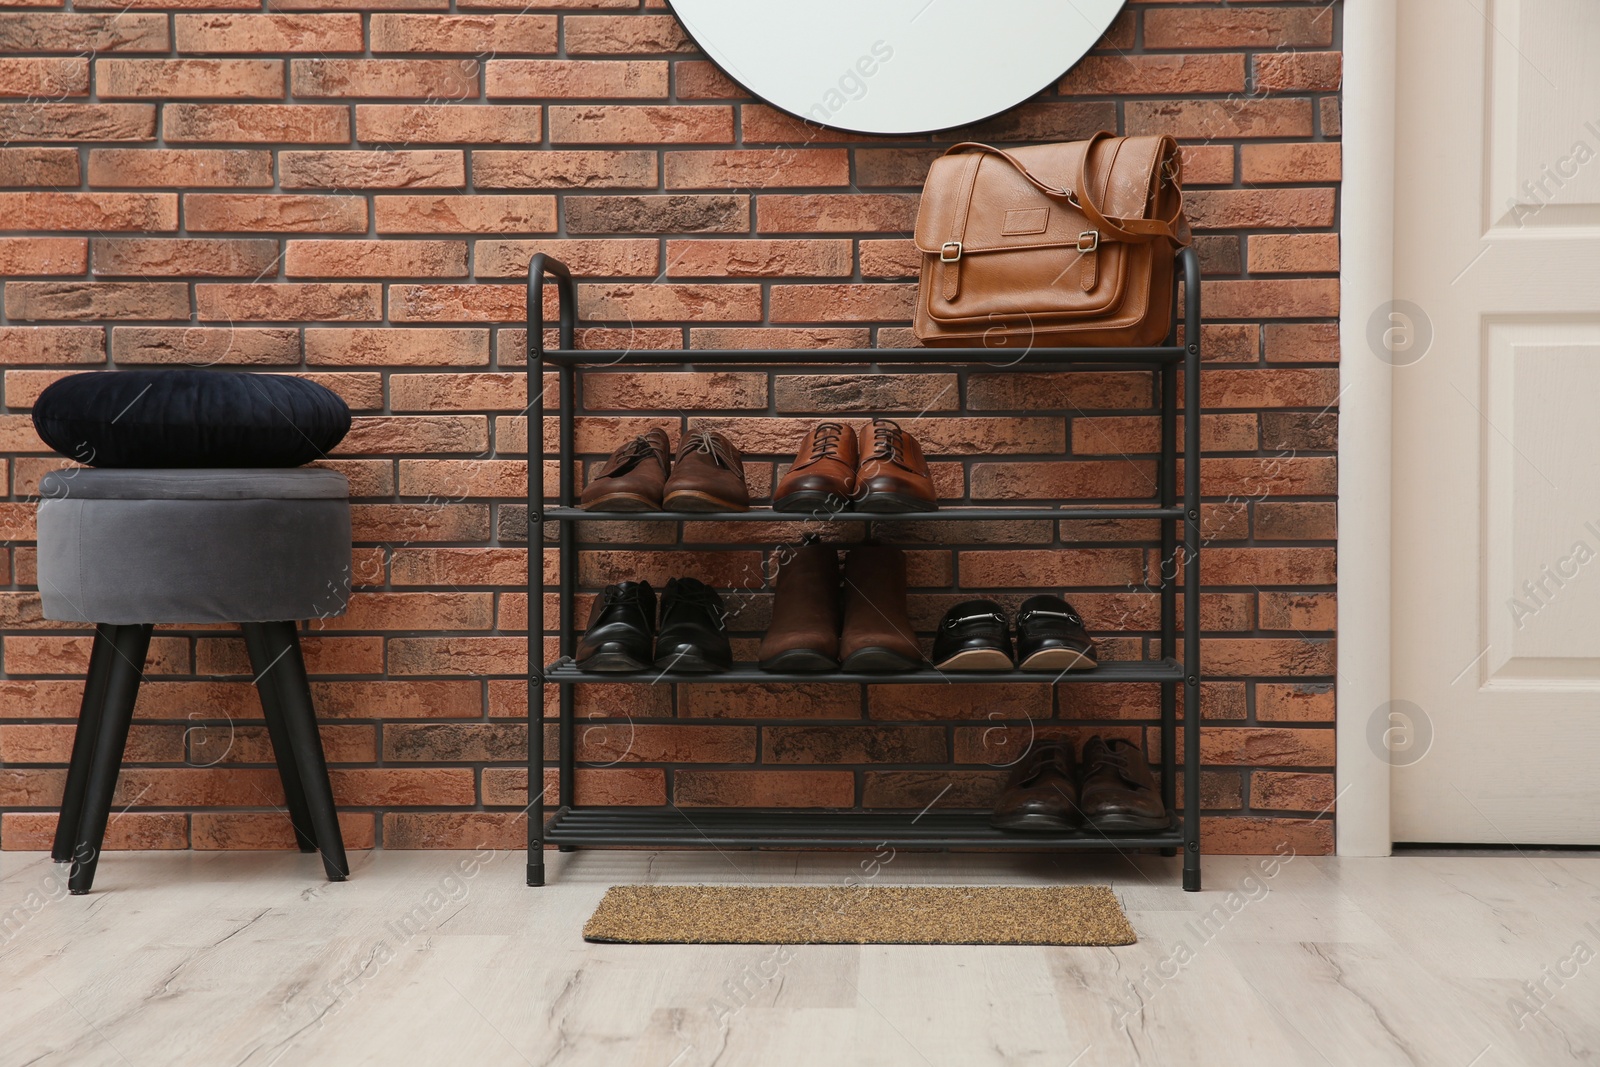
x=125, y=549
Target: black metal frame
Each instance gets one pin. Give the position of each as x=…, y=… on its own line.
x=570, y=826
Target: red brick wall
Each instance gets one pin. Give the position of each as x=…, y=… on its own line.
x=353, y=196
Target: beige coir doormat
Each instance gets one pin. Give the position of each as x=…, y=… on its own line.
x=859, y=915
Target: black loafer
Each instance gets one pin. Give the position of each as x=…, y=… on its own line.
x=621, y=629
x=974, y=636
x=692, y=637
x=1051, y=637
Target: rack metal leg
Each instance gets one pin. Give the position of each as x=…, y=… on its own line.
x=535, y=812
x=1191, y=573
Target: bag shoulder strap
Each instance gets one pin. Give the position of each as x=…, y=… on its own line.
x=1082, y=198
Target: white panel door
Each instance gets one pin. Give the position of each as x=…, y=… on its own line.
x=1495, y=730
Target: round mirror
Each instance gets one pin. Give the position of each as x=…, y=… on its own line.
x=895, y=66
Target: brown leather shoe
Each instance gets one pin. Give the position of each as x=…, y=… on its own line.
x=632, y=479
x=877, y=633
x=1118, y=790
x=1041, y=795
x=709, y=475
x=804, y=635
x=823, y=478
x=892, y=475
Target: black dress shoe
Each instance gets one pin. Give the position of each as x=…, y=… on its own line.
x=1118, y=790
x=1041, y=796
x=693, y=637
x=1051, y=637
x=621, y=629
x=974, y=636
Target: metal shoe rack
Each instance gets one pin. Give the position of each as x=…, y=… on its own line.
x=1177, y=507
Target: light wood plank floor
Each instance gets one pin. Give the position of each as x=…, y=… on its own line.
x=251, y=959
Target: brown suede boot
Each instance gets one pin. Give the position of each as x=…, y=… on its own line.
x=877, y=628
x=804, y=635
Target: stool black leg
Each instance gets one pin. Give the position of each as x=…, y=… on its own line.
x=300, y=724
x=89, y=716
x=129, y=645
x=269, y=689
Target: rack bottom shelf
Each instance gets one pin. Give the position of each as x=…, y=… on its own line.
x=825, y=829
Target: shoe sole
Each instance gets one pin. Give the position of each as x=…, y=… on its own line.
x=977, y=659
x=894, y=503
x=799, y=660
x=622, y=502
x=1129, y=823
x=812, y=501
x=1059, y=659
x=878, y=661
x=1034, y=823
x=609, y=659
x=694, y=500
x=688, y=662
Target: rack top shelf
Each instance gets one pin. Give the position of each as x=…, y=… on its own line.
x=564, y=672
x=943, y=514
x=994, y=358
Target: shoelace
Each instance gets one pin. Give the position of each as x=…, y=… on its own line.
x=888, y=441
x=1116, y=758
x=826, y=442
x=613, y=595
x=640, y=447
x=710, y=443
x=697, y=597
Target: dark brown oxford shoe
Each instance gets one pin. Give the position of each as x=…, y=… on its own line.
x=633, y=478
x=892, y=475
x=823, y=477
x=1118, y=791
x=709, y=475
x=1041, y=796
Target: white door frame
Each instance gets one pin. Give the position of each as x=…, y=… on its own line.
x=1366, y=285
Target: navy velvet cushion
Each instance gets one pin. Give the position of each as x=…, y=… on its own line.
x=190, y=418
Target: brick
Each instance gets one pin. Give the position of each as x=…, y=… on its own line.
x=268, y=33
x=232, y=830
x=1298, y=612
x=1258, y=477
x=1289, y=431
x=458, y=655
x=457, y=392
x=35, y=121
x=1080, y=392
x=1043, y=121
x=467, y=829
x=63, y=32
x=91, y=211
x=679, y=213
x=52, y=344
x=274, y=123
x=613, y=34
x=411, y=124
x=464, y=214
x=855, y=302
x=459, y=566
x=202, y=347
x=268, y=301
x=414, y=611
x=387, y=346
x=1313, y=387
x=184, y=256
x=1052, y=480
x=836, y=213
x=640, y=124
x=476, y=35
x=415, y=169
x=274, y=213
x=919, y=790
x=1206, y=164
x=958, y=702
x=764, y=789
x=434, y=79
x=1287, y=520
x=398, y=699
x=1219, y=119
x=1294, y=342
x=1277, y=163
x=1293, y=253
x=555, y=169
x=457, y=303
x=449, y=433
x=130, y=831
x=45, y=77
x=642, y=390
x=546, y=79
x=1301, y=702
x=43, y=255
x=375, y=259
x=1121, y=435
x=697, y=79
x=1101, y=75
x=663, y=302
x=161, y=79
x=853, y=744
x=97, y=300
x=586, y=258
x=756, y=337
x=1268, y=566
x=1221, y=209
x=758, y=167
x=893, y=166
x=38, y=166
x=1297, y=71
x=1273, y=746
x=1256, y=657
x=1291, y=791
x=1238, y=27
x=853, y=393
x=182, y=167
x=457, y=479
x=1051, y=567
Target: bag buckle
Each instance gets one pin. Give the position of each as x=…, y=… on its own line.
x=1088, y=240
x=950, y=251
